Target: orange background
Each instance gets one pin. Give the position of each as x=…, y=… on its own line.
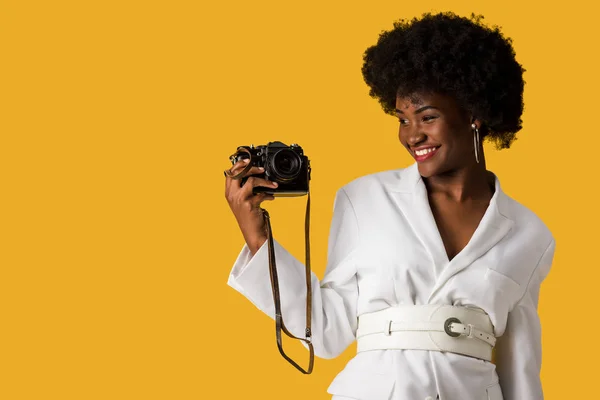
x=116, y=121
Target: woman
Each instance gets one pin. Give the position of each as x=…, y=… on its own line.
x=430, y=267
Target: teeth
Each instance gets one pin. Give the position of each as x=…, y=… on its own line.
x=425, y=151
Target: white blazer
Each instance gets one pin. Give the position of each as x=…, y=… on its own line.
x=385, y=249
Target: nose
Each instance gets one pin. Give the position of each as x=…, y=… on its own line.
x=414, y=137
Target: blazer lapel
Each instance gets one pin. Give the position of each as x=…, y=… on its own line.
x=411, y=197
x=494, y=225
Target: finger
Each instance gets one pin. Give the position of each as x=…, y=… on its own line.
x=238, y=185
x=255, y=171
x=234, y=170
x=238, y=166
x=253, y=182
x=259, y=198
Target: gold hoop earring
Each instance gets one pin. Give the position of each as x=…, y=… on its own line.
x=476, y=141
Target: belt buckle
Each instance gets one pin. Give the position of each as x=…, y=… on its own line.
x=447, y=324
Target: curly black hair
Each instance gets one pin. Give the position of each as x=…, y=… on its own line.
x=452, y=55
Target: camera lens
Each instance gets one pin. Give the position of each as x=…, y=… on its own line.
x=286, y=164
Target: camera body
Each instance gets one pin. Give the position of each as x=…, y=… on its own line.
x=286, y=165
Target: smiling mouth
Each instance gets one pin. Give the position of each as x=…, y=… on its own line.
x=425, y=151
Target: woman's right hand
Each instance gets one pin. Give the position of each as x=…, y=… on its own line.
x=246, y=206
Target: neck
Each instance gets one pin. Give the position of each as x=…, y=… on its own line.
x=471, y=182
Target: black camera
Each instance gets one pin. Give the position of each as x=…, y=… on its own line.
x=286, y=165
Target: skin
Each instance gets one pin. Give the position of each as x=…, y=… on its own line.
x=459, y=189
x=246, y=206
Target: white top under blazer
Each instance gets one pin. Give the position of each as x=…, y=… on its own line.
x=384, y=250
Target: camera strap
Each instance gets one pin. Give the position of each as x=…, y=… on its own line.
x=279, y=325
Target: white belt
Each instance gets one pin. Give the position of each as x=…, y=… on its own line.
x=434, y=327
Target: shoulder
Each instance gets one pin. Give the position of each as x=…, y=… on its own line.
x=537, y=241
x=527, y=220
x=530, y=230
x=372, y=183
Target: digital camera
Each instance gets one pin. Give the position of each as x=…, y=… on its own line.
x=286, y=165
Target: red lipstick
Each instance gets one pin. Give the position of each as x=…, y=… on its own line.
x=426, y=156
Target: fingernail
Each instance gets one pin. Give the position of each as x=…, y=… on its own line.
x=261, y=168
x=246, y=160
x=275, y=184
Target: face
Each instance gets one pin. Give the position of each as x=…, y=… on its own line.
x=436, y=132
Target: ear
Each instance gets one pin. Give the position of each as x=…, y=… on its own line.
x=476, y=121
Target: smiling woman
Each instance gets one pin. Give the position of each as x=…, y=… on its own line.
x=460, y=57
x=431, y=268
x=434, y=127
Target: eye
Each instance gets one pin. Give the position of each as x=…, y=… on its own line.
x=403, y=121
x=428, y=118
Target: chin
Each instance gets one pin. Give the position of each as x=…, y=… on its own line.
x=428, y=168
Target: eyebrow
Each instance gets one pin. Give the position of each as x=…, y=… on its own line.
x=419, y=110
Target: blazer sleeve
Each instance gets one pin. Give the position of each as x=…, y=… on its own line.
x=519, y=349
x=334, y=299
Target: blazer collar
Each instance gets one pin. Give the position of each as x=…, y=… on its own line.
x=409, y=192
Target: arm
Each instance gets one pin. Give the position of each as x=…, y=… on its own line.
x=519, y=349
x=334, y=320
